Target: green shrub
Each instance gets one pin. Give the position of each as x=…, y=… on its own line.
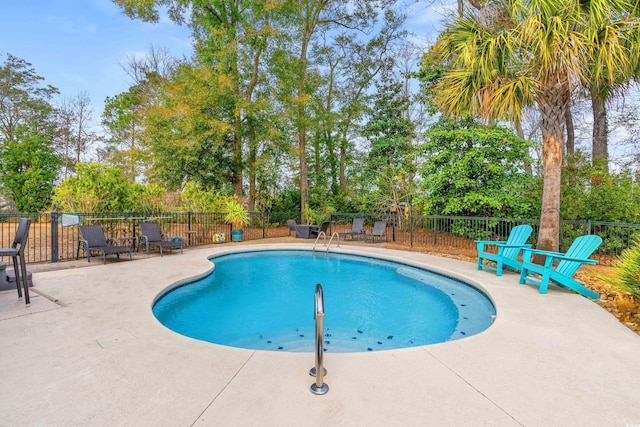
x=627, y=276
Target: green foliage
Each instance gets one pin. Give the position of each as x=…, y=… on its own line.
x=590, y=192
x=148, y=198
x=28, y=169
x=123, y=118
x=470, y=230
x=430, y=73
x=194, y=198
x=187, y=134
x=627, y=275
x=474, y=170
x=96, y=188
x=28, y=165
x=308, y=215
x=388, y=130
x=288, y=200
x=235, y=214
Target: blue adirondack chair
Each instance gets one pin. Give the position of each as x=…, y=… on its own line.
x=578, y=254
x=508, y=251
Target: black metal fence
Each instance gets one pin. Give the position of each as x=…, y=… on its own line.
x=458, y=233
x=53, y=240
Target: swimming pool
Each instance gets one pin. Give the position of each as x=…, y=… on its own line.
x=264, y=300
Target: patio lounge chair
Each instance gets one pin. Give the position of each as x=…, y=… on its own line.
x=507, y=251
x=92, y=238
x=292, y=225
x=379, y=230
x=577, y=254
x=322, y=229
x=16, y=252
x=151, y=236
x=356, y=229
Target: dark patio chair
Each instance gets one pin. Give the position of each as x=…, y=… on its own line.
x=292, y=225
x=151, y=236
x=92, y=238
x=379, y=230
x=16, y=252
x=323, y=228
x=356, y=229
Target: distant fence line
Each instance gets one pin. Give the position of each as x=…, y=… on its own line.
x=50, y=241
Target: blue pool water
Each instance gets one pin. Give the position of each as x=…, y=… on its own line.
x=264, y=300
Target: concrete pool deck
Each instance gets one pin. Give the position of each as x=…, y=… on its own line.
x=89, y=352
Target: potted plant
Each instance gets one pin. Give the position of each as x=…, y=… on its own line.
x=238, y=217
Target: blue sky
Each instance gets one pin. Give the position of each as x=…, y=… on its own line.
x=78, y=45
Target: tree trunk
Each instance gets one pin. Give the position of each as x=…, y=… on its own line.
x=570, y=145
x=343, y=161
x=600, y=143
x=520, y=133
x=302, y=113
x=252, y=168
x=552, y=104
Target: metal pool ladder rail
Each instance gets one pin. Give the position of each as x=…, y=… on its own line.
x=328, y=245
x=318, y=371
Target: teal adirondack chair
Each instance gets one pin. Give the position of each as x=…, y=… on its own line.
x=578, y=254
x=507, y=251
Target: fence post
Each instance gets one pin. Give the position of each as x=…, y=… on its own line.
x=54, y=235
x=411, y=220
x=486, y=228
x=189, y=242
x=394, y=214
x=435, y=229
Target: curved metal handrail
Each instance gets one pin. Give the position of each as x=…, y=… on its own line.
x=337, y=236
x=319, y=387
x=322, y=233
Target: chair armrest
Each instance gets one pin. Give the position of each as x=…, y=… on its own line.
x=113, y=241
x=85, y=244
x=490, y=242
x=556, y=255
x=523, y=246
x=541, y=252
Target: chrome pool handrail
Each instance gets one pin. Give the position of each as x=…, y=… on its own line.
x=319, y=387
x=322, y=233
x=337, y=236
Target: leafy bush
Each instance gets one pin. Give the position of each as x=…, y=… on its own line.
x=194, y=198
x=95, y=188
x=591, y=192
x=287, y=201
x=627, y=276
x=475, y=170
x=470, y=229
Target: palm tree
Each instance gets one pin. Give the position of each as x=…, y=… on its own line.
x=608, y=32
x=520, y=54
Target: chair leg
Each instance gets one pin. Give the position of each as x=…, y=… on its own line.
x=16, y=272
x=25, y=279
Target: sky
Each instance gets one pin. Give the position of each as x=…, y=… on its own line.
x=78, y=46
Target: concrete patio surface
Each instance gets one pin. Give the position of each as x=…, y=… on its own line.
x=89, y=352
